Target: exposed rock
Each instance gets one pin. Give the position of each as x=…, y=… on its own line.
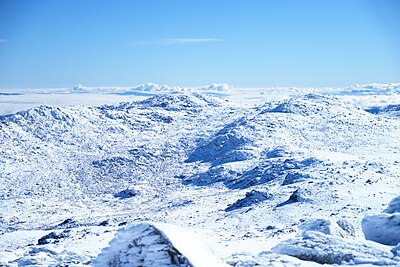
x=299, y=195
x=150, y=244
x=66, y=222
x=396, y=250
x=126, y=193
x=53, y=237
x=251, y=198
x=104, y=223
x=347, y=227
x=295, y=177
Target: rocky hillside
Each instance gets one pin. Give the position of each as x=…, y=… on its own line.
x=247, y=177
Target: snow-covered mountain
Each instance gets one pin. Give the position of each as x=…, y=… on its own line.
x=246, y=177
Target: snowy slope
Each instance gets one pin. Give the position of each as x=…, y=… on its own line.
x=244, y=176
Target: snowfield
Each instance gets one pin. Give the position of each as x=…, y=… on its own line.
x=179, y=177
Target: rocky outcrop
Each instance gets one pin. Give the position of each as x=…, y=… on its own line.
x=151, y=244
x=329, y=249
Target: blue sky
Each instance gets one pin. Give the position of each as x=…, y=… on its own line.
x=245, y=43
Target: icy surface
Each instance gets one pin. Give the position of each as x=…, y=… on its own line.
x=246, y=176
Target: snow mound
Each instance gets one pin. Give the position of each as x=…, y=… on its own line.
x=156, y=244
x=6, y=257
x=328, y=227
x=329, y=249
x=43, y=122
x=382, y=228
x=222, y=149
x=180, y=101
x=307, y=105
x=42, y=111
x=40, y=114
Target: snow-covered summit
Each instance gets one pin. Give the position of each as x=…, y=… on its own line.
x=178, y=101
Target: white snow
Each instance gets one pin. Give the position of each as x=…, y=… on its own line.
x=245, y=176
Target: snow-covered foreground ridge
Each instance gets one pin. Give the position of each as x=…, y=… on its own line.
x=248, y=179
x=148, y=244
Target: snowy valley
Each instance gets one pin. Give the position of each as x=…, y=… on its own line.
x=186, y=178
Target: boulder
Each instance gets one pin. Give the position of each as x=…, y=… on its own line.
x=382, y=228
x=324, y=226
x=252, y=197
x=329, y=249
x=299, y=195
